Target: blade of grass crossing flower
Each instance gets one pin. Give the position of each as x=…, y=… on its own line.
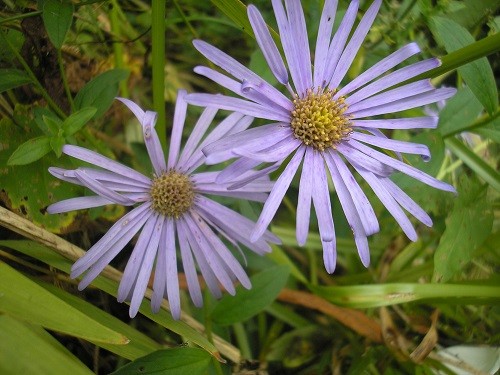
x=474, y=162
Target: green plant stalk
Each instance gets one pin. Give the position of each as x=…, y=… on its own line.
x=462, y=56
x=65, y=80
x=186, y=20
x=242, y=340
x=158, y=67
x=20, y=17
x=477, y=164
x=360, y=296
x=30, y=73
x=118, y=46
x=449, y=168
x=480, y=122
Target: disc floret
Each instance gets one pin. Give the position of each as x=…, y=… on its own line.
x=318, y=119
x=172, y=194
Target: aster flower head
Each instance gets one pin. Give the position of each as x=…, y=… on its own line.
x=170, y=208
x=322, y=125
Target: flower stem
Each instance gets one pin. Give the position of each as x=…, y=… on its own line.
x=117, y=45
x=242, y=339
x=158, y=68
x=65, y=80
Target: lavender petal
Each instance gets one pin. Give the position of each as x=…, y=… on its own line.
x=304, y=199
x=354, y=156
x=428, y=122
x=323, y=41
x=79, y=203
x=152, y=142
x=102, y=190
x=321, y=200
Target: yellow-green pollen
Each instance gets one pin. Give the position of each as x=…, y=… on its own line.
x=172, y=194
x=318, y=120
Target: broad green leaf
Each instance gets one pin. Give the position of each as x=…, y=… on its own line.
x=56, y=143
x=12, y=78
x=57, y=17
x=177, y=361
x=478, y=74
x=30, y=302
x=474, y=162
x=29, y=189
x=139, y=344
x=376, y=295
x=77, y=120
x=30, y=151
x=100, y=91
x=468, y=225
x=164, y=318
x=473, y=11
x=237, y=12
x=266, y=286
x=460, y=111
x=29, y=349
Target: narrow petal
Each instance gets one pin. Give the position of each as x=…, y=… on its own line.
x=357, y=157
x=277, y=152
x=146, y=268
x=380, y=68
x=338, y=42
x=79, y=203
x=113, y=180
x=406, y=202
x=104, y=162
x=188, y=263
x=428, y=122
x=394, y=78
x=152, y=142
x=298, y=30
x=394, y=145
x=389, y=96
x=160, y=276
x=329, y=255
x=178, y=125
x=172, y=273
x=102, y=190
x=408, y=103
x=350, y=212
x=234, y=104
x=222, y=190
x=235, y=170
x=352, y=47
x=197, y=134
x=253, y=175
x=321, y=200
x=323, y=41
x=108, y=254
x=363, y=206
x=136, y=110
x=276, y=195
x=304, y=199
x=389, y=203
x=267, y=45
x=128, y=224
x=135, y=262
x=402, y=167
x=238, y=226
x=224, y=254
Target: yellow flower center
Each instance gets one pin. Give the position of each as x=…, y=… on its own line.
x=172, y=194
x=318, y=120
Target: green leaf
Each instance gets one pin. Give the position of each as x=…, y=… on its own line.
x=28, y=189
x=468, y=225
x=30, y=302
x=472, y=12
x=139, y=344
x=77, y=120
x=29, y=349
x=266, y=286
x=177, y=361
x=459, y=112
x=30, y=151
x=474, y=162
x=100, y=91
x=478, y=74
x=376, y=295
x=164, y=318
x=53, y=124
x=57, y=16
x=12, y=78
x=57, y=142
x=237, y=12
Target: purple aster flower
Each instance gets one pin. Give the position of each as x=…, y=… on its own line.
x=170, y=204
x=323, y=126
